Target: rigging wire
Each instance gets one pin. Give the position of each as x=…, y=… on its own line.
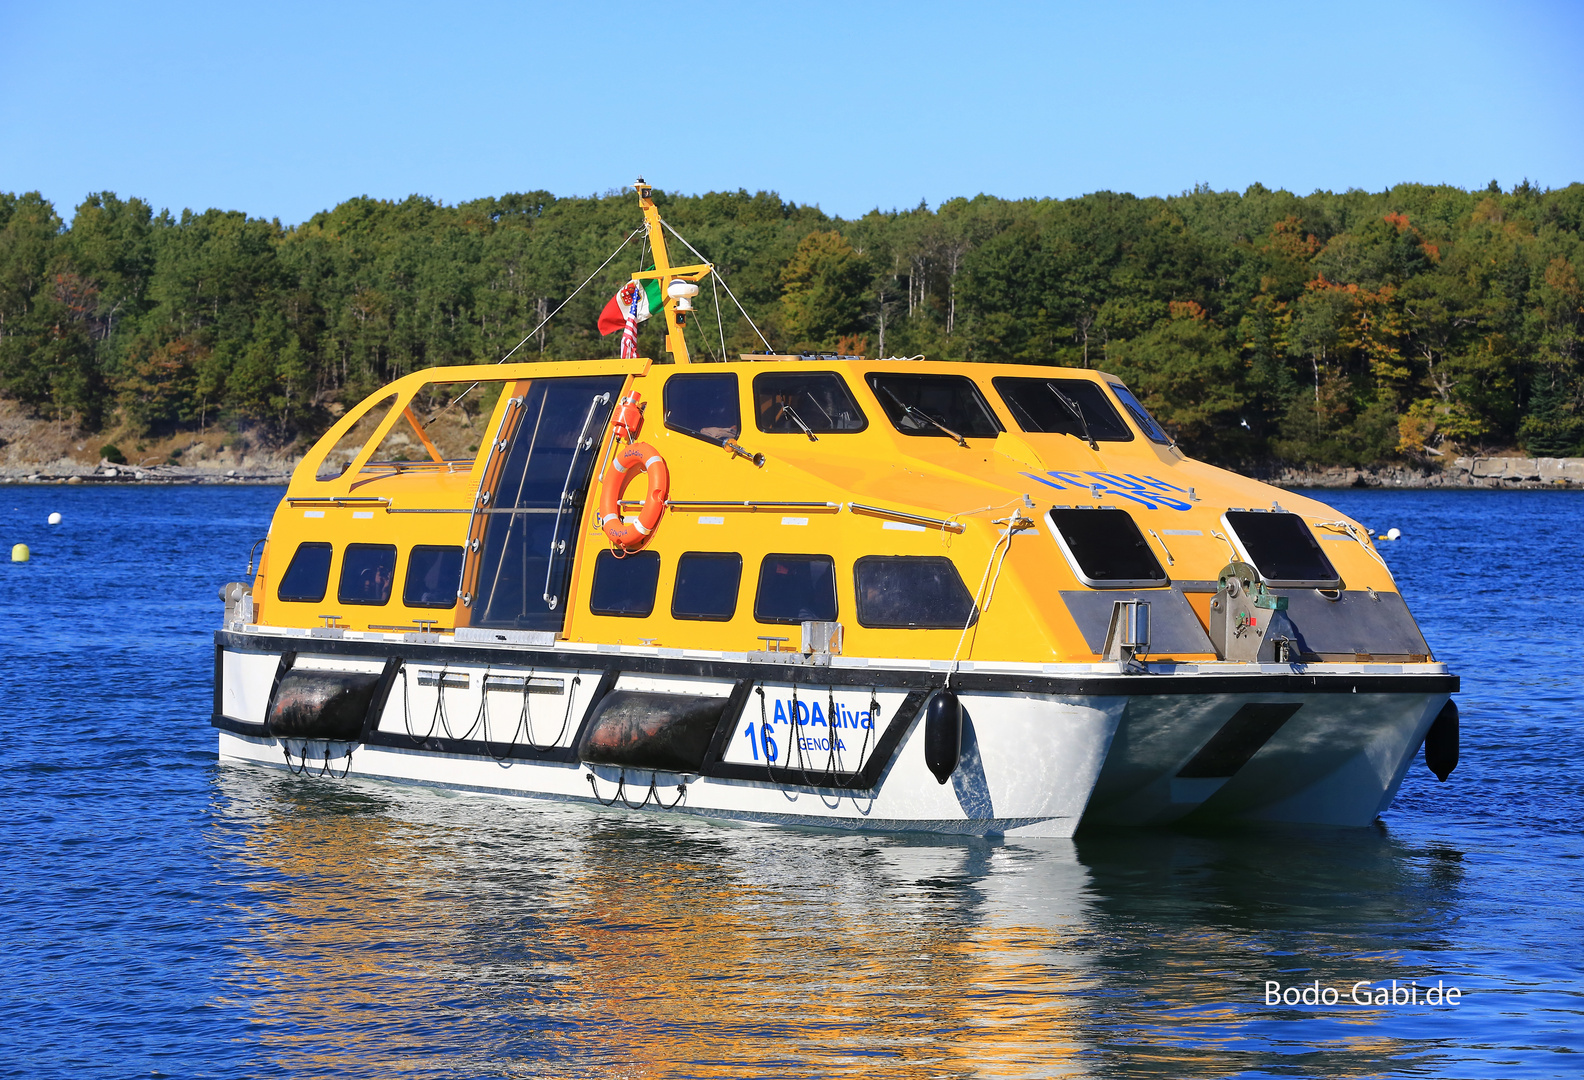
x=723, y=284
x=546, y=321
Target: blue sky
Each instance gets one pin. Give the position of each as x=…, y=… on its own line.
x=287, y=108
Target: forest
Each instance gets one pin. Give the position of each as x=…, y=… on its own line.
x=1259, y=326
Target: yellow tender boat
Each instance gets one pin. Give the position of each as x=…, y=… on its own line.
x=879, y=594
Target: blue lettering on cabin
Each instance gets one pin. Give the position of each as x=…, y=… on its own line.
x=1148, y=490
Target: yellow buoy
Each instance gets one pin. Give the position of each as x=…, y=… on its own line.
x=20, y=553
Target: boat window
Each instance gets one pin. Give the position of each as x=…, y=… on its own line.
x=796, y=588
x=443, y=424
x=625, y=584
x=306, y=575
x=434, y=573
x=706, y=585
x=1152, y=430
x=1036, y=406
x=367, y=573
x=703, y=406
x=805, y=401
x=1105, y=548
x=529, y=522
x=924, y=404
x=348, y=445
x=912, y=591
x=1282, y=548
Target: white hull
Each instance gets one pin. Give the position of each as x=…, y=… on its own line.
x=1042, y=745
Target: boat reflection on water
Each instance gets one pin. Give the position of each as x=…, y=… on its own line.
x=405, y=933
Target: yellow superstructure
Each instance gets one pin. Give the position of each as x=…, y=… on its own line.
x=847, y=495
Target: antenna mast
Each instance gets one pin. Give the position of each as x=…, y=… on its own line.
x=678, y=284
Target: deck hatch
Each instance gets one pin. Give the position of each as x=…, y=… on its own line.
x=1283, y=548
x=1239, y=739
x=1105, y=548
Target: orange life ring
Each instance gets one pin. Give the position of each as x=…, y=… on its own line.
x=632, y=459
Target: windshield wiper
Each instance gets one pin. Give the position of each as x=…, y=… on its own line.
x=1072, y=407
x=726, y=442
x=787, y=410
x=920, y=414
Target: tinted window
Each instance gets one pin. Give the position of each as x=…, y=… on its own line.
x=795, y=588
x=703, y=405
x=433, y=576
x=915, y=591
x=367, y=572
x=1036, y=407
x=819, y=399
x=625, y=585
x=1152, y=431
x=952, y=401
x=1282, y=548
x=306, y=575
x=1106, y=548
x=706, y=585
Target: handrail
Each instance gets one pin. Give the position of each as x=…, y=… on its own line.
x=750, y=505
x=904, y=516
x=337, y=500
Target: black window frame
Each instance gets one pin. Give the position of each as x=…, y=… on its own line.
x=1002, y=383
x=1082, y=572
x=1332, y=582
x=759, y=589
x=407, y=576
x=859, y=592
x=699, y=376
x=324, y=583
x=607, y=558
x=346, y=553
x=683, y=561
x=895, y=413
x=811, y=420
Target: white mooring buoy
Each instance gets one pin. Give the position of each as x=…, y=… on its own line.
x=54, y=519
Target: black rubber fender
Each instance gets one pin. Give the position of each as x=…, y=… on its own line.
x=658, y=732
x=943, y=726
x=1441, y=742
x=322, y=704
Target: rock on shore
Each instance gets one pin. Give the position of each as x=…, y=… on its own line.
x=1463, y=472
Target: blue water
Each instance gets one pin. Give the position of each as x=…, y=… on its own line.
x=163, y=915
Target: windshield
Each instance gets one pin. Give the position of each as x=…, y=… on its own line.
x=816, y=401
x=924, y=404
x=1035, y=406
x=1152, y=431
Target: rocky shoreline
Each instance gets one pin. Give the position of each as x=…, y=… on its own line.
x=1465, y=472
x=1506, y=473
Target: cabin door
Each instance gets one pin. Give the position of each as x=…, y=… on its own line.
x=530, y=511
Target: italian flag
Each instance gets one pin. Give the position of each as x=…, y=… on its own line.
x=637, y=300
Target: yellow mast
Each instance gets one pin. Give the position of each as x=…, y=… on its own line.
x=676, y=307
